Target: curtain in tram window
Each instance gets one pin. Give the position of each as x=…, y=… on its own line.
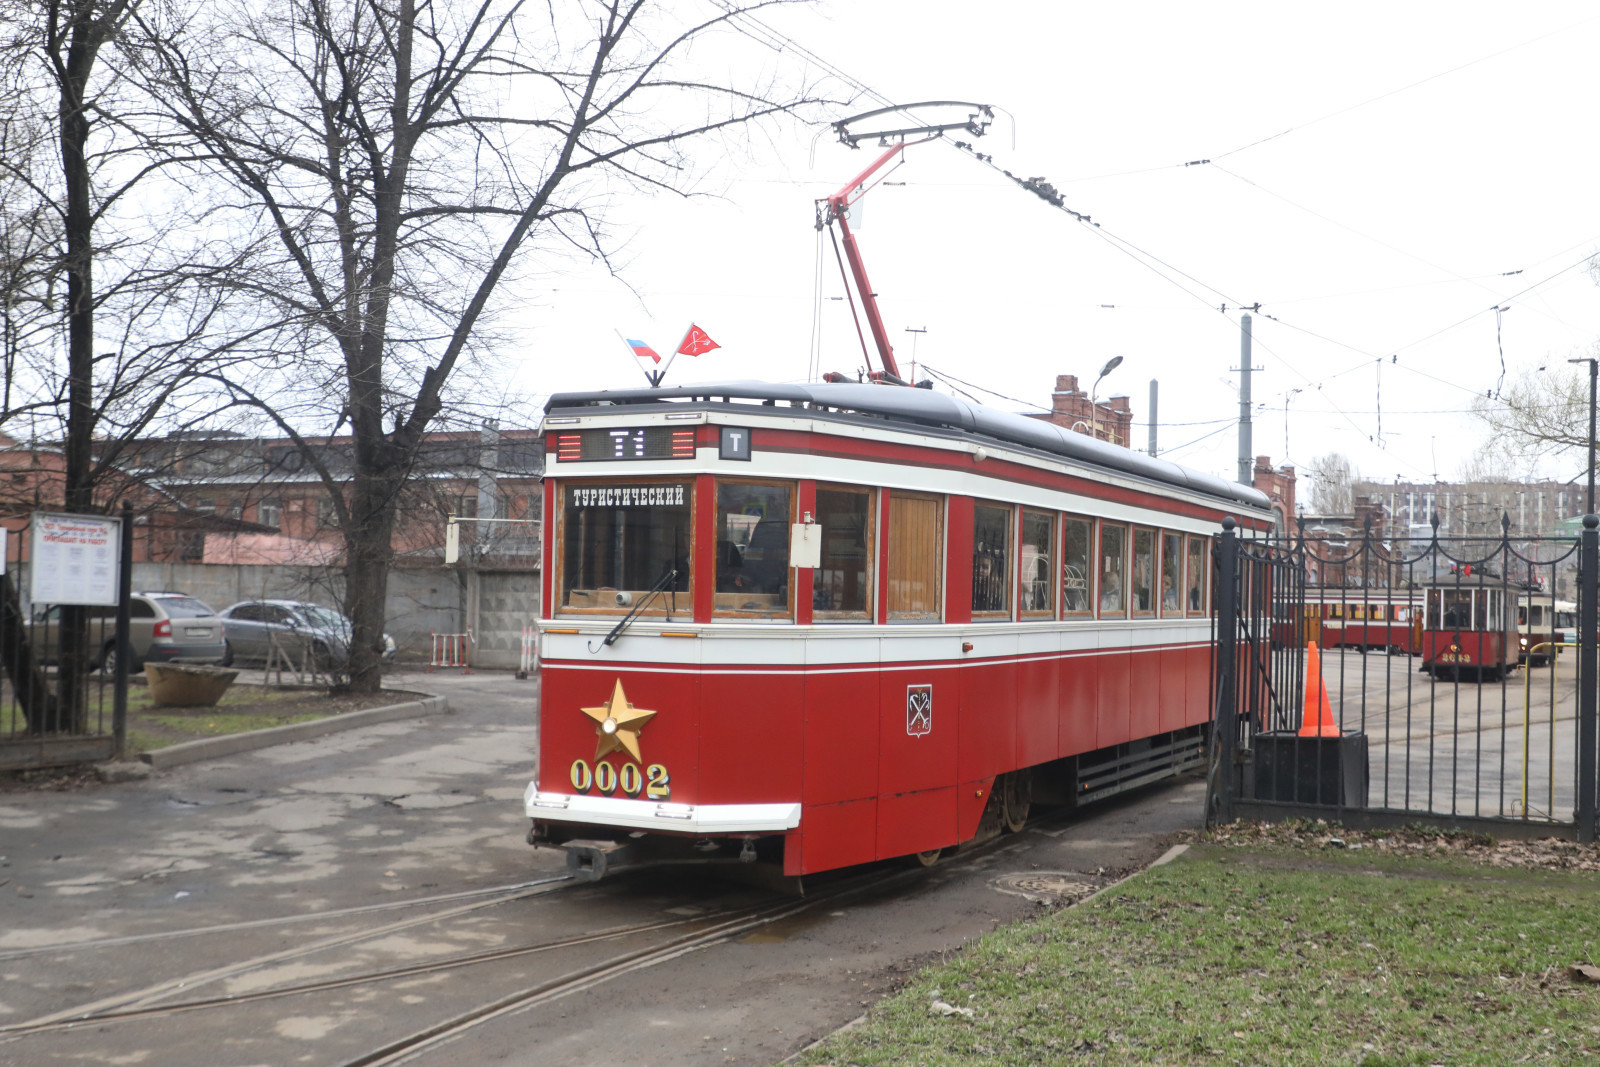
x=914, y=563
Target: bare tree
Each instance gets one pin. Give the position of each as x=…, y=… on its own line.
x=1541, y=413
x=1332, y=485
x=391, y=163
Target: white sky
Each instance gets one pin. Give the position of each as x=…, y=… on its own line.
x=1422, y=151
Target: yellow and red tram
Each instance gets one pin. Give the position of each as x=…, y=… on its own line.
x=1386, y=620
x=830, y=624
x=1470, y=628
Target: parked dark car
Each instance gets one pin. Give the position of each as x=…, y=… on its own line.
x=297, y=626
x=163, y=627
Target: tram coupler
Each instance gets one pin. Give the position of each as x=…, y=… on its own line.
x=588, y=861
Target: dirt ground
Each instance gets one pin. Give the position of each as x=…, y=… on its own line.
x=1545, y=853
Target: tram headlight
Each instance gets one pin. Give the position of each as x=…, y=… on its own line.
x=624, y=599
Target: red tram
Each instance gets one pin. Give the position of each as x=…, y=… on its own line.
x=1470, y=629
x=823, y=625
x=1388, y=620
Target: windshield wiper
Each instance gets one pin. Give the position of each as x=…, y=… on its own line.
x=668, y=579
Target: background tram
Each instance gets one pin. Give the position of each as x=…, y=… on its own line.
x=1386, y=620
x=824, y=625
x=1536, y=625
x=1470, y=628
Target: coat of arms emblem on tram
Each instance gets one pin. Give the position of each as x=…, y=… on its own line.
x=919, y=710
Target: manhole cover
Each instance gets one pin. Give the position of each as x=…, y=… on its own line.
x=1047, y=887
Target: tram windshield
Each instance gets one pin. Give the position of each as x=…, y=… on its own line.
x=619, y=541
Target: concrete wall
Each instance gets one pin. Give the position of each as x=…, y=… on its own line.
x=495, y=604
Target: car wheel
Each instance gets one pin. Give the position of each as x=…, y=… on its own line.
x=227, y=653
x=321, y=658
x=108, y=661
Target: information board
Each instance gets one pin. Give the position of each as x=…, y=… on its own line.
x=74, y=559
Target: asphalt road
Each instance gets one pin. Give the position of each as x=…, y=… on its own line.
x=368, y=897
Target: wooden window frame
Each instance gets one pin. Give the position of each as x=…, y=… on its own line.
x=1099, y=569
x=1090, y=575
x=789, y=583
x=685, y=609
x=1008, y=575
x=1161, y=570
x=941, y=547
x=870, y=613
x=1054, y=611
x=1200, y=580
x=1155, y=571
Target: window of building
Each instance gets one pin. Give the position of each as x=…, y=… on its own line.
x=1171, y=574
x=327, y=517
x=916, y=557
x=991, y=560
x=753, y=548
x=1144, y=572
x=269, y=512
x=621, y=541
x=842, y=585
x=1077, y=566
x=1037, y=588
x=1194, y=571
x=1113, y=570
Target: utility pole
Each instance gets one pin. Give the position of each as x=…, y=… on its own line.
x=914, y=332
x=1246, y=451
x=1154, y=389
x=1594, y=375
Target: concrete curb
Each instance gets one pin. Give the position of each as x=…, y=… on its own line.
x=212, y=747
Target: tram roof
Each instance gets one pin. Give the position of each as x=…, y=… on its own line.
x=923, y=408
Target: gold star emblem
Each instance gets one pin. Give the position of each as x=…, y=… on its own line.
x=618, y=725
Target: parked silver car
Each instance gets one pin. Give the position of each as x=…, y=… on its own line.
x=297, y=626
x=163, y=627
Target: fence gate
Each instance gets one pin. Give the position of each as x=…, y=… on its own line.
x=63, y=674
x=1383, y=681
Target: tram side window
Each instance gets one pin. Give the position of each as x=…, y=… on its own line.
x=1195, y=576
x=1077, y=566
x=1144, y=572
x=753, y=548
x=991, y=560
x=843, y=585
x=1171, y=574
x=1038, y=571
x=620, y=542
x=1113, y=568
x=916, y=540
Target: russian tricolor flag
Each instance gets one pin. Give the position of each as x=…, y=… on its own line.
x=642, y=350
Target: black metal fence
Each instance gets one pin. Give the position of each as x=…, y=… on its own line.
x=63, y=674
x=1379, y=680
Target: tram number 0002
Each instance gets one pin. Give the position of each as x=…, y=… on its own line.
x=654, y=781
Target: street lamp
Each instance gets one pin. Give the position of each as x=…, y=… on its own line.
x=1094, y=409
x=1594, y=376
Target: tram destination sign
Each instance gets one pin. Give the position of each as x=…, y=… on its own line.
x=625, y=443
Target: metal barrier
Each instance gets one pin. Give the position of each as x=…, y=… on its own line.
x=450, y=650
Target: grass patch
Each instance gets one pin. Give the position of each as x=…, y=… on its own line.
x=242, y=708
x=1268, y=954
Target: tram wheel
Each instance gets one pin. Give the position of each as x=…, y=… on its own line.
x=1016, y=797
x=928, y=858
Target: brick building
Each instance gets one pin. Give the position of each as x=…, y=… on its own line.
x=1109, y=420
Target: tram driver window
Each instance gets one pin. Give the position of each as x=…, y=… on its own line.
x=1077, y=567
x=621, y=543
x=843, y=585
x=1113, y=567
x=753, y=549
x=991, y=560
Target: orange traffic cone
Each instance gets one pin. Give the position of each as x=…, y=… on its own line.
x=1317, y=721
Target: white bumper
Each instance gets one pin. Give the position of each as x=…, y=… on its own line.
x=705, y=819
